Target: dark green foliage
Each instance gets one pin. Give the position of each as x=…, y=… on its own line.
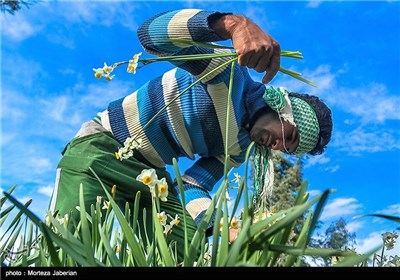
x=287, y=182
x=336, y=237
x=11, y=6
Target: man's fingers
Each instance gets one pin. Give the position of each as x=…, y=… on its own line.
x=258, y=62
x=262, y=64
x=272, y=68
x=243, y=59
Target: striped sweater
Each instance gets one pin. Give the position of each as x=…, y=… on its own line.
x=195, y=123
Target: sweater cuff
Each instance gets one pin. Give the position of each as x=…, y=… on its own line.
x=198, y=207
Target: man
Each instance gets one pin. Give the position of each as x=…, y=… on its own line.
x=194, y=125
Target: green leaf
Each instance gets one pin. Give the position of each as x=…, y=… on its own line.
x=238, y=246
x=318, y=211
x=388, y=217
x=87, y=241
x=301, y=241
x=161, y=241
x=297, y=76
x=357, y=259
x=138, y=253
x=110, y=252
x=4, y=198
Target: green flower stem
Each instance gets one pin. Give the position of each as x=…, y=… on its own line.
x=188, y=57
x=199, y=44
x=296, y=75
x=228, y=111
x=191, y=57
x=292, y=54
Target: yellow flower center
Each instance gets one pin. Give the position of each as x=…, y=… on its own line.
x=97, y=75
x=234, y=224
x=147, y=180
x=162, y=189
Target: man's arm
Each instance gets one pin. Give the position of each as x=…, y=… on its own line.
x=200, y=179
x=256, y=49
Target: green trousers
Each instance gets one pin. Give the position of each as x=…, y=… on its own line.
x=98, y=152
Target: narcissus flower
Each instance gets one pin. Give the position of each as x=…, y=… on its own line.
x=162, y=218
x=162, y=189
x=175, y=221
x=147, y=177
x=105, y=71
x=234, y=223
x=237, y=178
x=133, y=63
x=130, y=144
x=106, y=204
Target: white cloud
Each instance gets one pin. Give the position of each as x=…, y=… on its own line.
x=105, y=14
x=61, y=37
x=355, y=225
x=7, y=138
x=393, y=209
x=99, y=95
x=14, y=113
x=367, y=139
x=322, y=76
x=17, y=70
x=318, y=159
x=373, y=241
x=259, y=17
x=340, y=207
x=80, y=102
x=23, y=199
x=314, y=4
x=313, y=193
x=365, y=245
x=39, y=165
x=55, y=107
x=28, y=22
x=46, y=190
x=332, y=169
x=17, y=27
x=372, y=104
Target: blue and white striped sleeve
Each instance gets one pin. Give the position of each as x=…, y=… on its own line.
x=188, y=24
x=198, y=181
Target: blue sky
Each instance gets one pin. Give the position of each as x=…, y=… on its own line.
x=351, y=50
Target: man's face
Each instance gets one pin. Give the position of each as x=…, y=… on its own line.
x=270, y=131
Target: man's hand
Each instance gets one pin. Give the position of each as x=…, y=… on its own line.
x=255, y=48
